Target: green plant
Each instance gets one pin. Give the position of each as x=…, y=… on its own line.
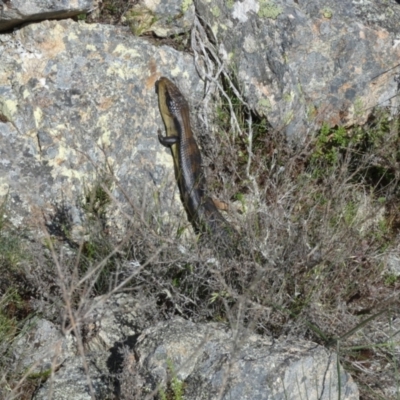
x=112, y=8
x=391, y=279
x=241, y=198
x=96, y=199
x=175, y=387
x=9, y=303
x=14, y=312
x=97, y=255
x=330, y=142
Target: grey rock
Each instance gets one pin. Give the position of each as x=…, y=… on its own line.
x=107, y=323
x=78, y=379
x=41, y=346
x=213, y=364
x=77, y=103
x=210, y=359
x=304, y=63
x=393, y=264
x=112, y=321
x=17, y=12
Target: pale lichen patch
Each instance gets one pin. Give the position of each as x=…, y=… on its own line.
x=175, y=72
x=165, y=159
x=72, y=36
x=38, y=116
x=115, y=69
x=60, y=164
x=8, y=108
x=4, y=188
x=121, y=50
x=264, y=103
x=104, y=140
x=216, y=11
x=186, y=4
x=268, y=9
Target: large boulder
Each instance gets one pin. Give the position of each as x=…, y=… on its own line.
x=106, y=324
x=304, y=63
x=206, y=360
x=215, y=363
x=78, y=109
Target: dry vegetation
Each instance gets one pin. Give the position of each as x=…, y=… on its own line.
x=323, y=219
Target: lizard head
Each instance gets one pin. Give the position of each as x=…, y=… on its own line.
x=170, y=99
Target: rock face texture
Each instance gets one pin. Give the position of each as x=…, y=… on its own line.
x=305, y=63
x=17, y=12
x=44, y=348
x=77, y=101
x=207, y=358
x=110, y=323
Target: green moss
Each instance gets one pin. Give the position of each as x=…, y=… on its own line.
x=10, y=303
x=269, y=10
x=390, y=279
x=97, y=246
x=329, y=143
x=175, y=387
